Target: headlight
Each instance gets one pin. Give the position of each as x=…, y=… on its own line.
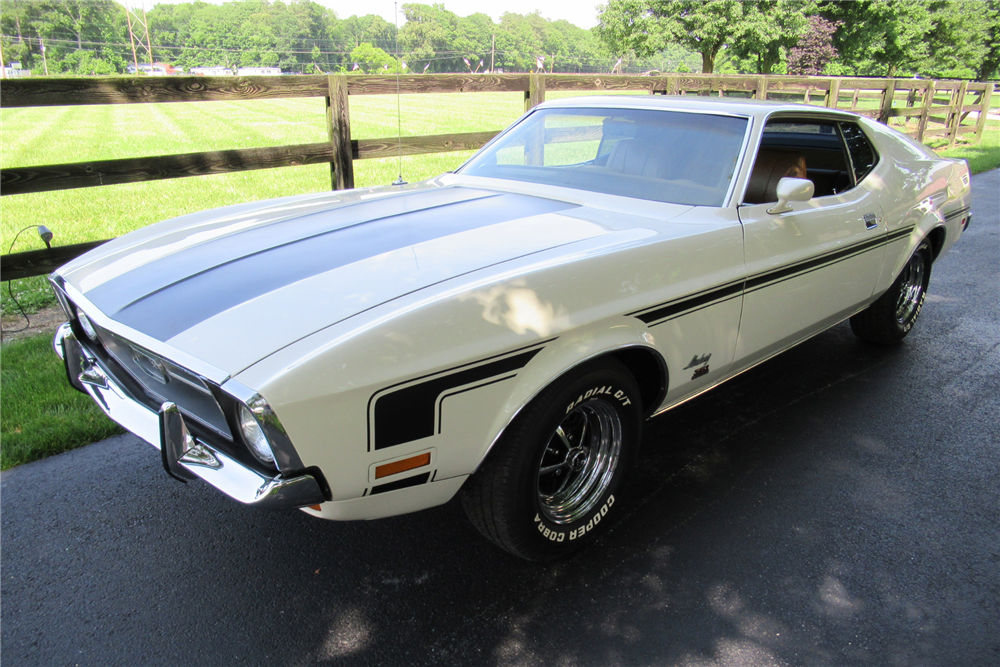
x=254, y=436
x=88, y=327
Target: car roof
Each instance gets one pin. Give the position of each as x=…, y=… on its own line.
x=740, y=106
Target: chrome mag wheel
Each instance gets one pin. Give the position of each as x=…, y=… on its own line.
x=579, y=461
x=911, y=290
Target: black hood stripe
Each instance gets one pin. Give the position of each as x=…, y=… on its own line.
x=173, y=294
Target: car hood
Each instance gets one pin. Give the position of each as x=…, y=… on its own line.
x=232, y=286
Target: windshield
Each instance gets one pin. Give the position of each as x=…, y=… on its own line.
x=666, y=156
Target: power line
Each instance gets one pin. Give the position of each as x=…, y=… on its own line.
x=438, y=55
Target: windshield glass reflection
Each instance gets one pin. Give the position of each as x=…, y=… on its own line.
x=665, y=156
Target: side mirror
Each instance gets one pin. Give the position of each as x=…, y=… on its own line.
x=789, y=190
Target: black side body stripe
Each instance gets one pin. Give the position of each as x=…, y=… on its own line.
x=957, y=212
x=416, y=480
x=671, y=309
x=694, y=302
x=810, y=265
x=408, y=414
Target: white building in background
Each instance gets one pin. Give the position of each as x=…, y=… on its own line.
x=258, y=71
x=155, y=69
x=14, y=71
x=212, y=71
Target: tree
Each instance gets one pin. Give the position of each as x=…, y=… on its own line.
x=880, y=37
x=371, y=59
x=814, y=49
x=644, y=27
x=989, y=64
x=769, y=29
x=964, y=39
x=428, y=35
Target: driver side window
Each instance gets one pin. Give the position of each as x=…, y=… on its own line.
x=800, y=149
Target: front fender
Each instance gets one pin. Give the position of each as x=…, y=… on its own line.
x=559, y=357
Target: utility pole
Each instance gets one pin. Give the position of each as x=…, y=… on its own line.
x=493, y=53
x=134, y=21
x=45, y=61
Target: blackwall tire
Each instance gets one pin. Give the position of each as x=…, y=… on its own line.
x=892, y=315
x=553, y=482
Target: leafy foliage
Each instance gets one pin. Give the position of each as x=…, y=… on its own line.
x=371, y=58
x=768, y=30
x=881, y=37
x=873, y=37
x=815, y=49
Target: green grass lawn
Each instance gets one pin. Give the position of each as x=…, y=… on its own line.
x=42, y=414
x=52, y=135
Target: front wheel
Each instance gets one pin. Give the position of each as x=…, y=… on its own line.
x=555, y=477
x=892, y=315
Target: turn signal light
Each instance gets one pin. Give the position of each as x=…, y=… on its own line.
x=396, y=467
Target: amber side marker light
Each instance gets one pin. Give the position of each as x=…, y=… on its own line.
x=316, y=508
x=396, y=467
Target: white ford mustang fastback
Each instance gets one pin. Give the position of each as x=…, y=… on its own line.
x=501, y=332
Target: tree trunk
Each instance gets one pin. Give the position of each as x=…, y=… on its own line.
x=707, y=61
x=78, y=28
x=987, y=67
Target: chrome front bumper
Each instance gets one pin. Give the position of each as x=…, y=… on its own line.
x=184, y=457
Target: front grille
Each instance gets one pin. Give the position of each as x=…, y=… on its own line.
x=163, y=380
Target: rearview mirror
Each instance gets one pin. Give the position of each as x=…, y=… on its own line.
x=789, y=190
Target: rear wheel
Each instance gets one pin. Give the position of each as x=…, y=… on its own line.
x=892, y=315
x=555, y=477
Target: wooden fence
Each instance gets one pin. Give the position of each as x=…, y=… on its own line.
x=923, y=109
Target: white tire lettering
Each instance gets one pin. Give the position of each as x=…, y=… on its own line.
x=590, y=525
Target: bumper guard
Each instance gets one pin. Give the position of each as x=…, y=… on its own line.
x=184, y=456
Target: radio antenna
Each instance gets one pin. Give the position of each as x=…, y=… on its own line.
x=399, y=115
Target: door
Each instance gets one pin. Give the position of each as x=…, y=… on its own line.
x=817, y=264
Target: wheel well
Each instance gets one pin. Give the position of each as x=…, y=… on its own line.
x=936, y=238
x=650, y=373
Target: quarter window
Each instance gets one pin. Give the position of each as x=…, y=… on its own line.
x=863, y=156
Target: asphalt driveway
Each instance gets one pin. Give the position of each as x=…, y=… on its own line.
x=838, y=505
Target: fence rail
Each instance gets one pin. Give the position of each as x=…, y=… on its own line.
x=923, y=109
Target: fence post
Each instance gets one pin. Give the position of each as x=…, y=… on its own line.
x=984, y=109
x=535, y=94
x=760, y=93
x=925, y=114
x=833, y=95
x=887, y=99
x=338, y=121
x=672, y=84
x=956, y=120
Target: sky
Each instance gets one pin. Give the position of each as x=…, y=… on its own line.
x=582, y=13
